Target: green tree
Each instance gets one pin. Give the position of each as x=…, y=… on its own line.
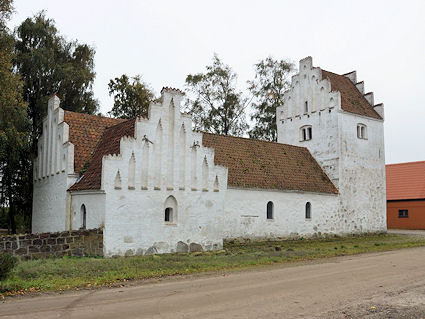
x=49, y=64
x=14, y=127
x=131, y=97
x=272, y=79
x=217, y=106
x=6, y=9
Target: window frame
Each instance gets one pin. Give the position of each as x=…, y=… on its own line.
x=270, y=213
x=168, y=212
x=306, y=133
x=403, y=213
x=307, y=211
x=362, y=131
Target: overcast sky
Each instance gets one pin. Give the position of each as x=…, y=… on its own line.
x=166, y=40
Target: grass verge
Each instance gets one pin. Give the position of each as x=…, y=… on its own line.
x=71, y=272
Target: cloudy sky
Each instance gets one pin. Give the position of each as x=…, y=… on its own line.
x=166, y=40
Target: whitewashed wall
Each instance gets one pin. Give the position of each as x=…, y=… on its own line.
x=53, y=173
x=162, y=161
x=245, y=214
x=362, y=185
x=356, y=166
x=94, y=202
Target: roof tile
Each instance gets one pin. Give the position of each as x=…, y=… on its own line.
x=351, y=99
x=85, y=132
x=405, y=180
x=261, y=164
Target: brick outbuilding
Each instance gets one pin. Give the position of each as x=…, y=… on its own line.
x=406, y=195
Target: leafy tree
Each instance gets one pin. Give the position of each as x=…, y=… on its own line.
x=272, y=79
x=217, y=106
x=6, y=9
x=131, y=96
x=49, y=64
x=14, y=127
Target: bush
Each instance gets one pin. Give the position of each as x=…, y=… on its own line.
x=7, y=263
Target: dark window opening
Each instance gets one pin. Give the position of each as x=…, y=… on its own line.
x=306, y=107
x=403, y=213
x=270, y=210
x=83, y=216
x=308, y=210
x=306, y=133
x=168, y=214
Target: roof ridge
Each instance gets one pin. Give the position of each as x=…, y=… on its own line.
x=404, y=163
x=253, y=139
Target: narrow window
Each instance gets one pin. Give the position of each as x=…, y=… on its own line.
x=168, y=214
x=308, y=210
x=170, y=210
x=310, y=133
x=270, y=210
x=362, y=131
x=403, y=213
x=83, y=216
x=306, y=107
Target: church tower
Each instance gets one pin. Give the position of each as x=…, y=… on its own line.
x=332, y=116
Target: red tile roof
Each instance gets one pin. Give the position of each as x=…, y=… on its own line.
x=251, y=163
x=260, y=164
x=85, y=132
x=405, y=181
x=351, y=99
x=109, y=144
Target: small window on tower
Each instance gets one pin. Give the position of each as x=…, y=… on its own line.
x=306, y=107
x=306, y=133
x=362, y=131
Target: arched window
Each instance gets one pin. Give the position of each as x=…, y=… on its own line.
x=83, y=215
x=270, y=210
x=362, y=131
x=306, y=133
x=308, y=210
x=170, y=210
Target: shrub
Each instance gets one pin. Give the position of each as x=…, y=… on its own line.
x=7, y=263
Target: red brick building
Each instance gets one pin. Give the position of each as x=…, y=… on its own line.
x=406, y=195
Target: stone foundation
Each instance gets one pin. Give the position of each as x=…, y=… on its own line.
x=81, y=243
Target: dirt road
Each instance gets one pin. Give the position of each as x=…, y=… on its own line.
x=383, y=285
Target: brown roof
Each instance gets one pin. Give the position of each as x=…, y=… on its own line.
x=260, y=164
x=351, y=99
x=405, y=181
x=109, y=144
x=85, y=132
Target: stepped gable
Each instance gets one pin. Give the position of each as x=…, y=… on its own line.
x=268, y=165
x=85, y=131
x=351, y=99
x=109, y=144
x=405, y=181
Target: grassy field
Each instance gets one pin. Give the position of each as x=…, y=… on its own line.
x=71, y=272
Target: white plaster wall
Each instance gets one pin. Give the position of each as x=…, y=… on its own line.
x=134, y=217
x=362, y=184
x=355, y=166
x=324, y=145
x=53, y=172
x=95, y=209
x=245, y=214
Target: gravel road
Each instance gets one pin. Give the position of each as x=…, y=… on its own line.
x=382, y=285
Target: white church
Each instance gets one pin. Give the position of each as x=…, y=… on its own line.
x=156, y=186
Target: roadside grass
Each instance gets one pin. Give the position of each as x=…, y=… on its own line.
x=72, y=272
